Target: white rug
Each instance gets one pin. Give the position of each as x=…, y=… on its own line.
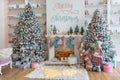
x=59, y=73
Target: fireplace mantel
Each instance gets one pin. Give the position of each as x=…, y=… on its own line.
x=51, y=50
x=63, y=35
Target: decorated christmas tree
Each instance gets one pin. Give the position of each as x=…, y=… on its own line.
x=97, y=37
x=96, y=30
x=28, y=45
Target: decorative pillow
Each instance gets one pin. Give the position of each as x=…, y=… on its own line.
x=4, y=60
x=5, y=53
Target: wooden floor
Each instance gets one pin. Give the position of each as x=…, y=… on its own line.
x=18, y=74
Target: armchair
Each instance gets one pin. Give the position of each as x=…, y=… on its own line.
x=5, y=58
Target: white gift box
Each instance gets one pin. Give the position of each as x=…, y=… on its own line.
x=72, y=60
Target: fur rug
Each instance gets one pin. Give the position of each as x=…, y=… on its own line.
x=59, y=73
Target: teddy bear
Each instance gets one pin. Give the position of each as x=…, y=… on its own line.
x=87, y=62
x=88, y=65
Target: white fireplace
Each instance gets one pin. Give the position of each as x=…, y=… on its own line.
x=51, y=50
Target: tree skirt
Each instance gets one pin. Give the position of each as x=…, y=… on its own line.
x=59, y=73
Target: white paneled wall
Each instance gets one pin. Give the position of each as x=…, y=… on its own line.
x=116, y=43
x=64, y=14
x=3, y=23
x=17, y=6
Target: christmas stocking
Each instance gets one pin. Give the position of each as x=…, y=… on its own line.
x=55, y=43
x=51, y=42
x=77, y=42
x=69, y=41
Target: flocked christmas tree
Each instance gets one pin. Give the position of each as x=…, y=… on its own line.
x=98, y=32
x=28, y=45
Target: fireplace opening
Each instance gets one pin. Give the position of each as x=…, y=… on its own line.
x=62, y=53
